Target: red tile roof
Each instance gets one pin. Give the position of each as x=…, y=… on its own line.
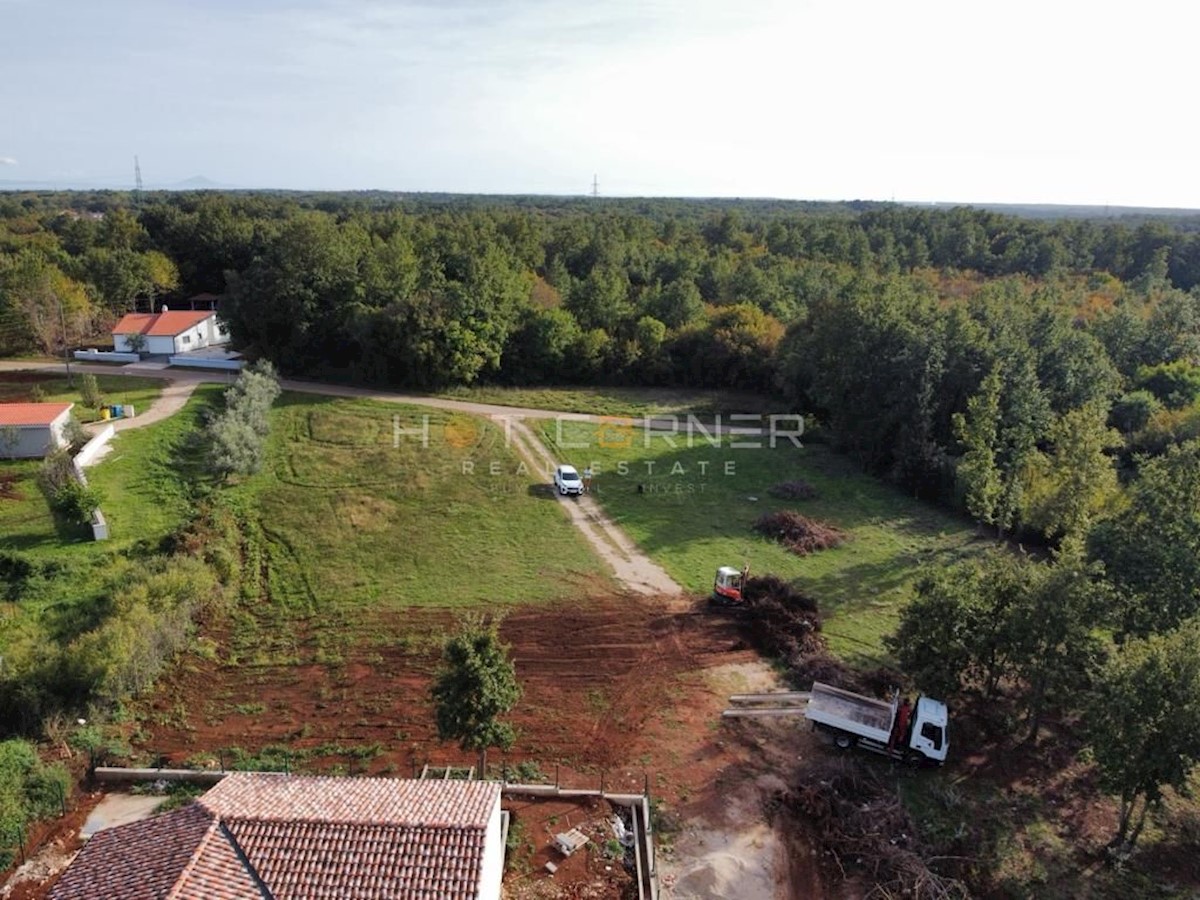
x=164, y=324
x=183, y=854
x=297, y=838
x=31, y=413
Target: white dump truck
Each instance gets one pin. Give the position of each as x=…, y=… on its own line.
x=855, y=720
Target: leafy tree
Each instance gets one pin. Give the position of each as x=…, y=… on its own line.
x=1176, y=384
x=978, y=472
x=1151, y=549
x=1005, y=621
x=1132, y=411
x=1143, y=724
x=476, y=684
x=1076, y=480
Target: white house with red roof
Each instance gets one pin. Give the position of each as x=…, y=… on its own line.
x=168, y=332
x=31, y=430
x=293, y=837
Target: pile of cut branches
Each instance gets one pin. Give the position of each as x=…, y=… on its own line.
x=798, y=533
x=865, y=828
x=793, y=490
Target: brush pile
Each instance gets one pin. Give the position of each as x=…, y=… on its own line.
x=793, y=490
x=866, y=829
x=798, y=533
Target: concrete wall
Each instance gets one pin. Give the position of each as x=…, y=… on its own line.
x=106, y=356
x=92, y=448
x=492, y=870
x=200, y=362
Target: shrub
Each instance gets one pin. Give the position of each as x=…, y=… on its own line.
x=237, y=436
x=29, y=790
x=798, y=533
x=76, y=501
x=90, y=391
x=793, y=490
x=75, y=434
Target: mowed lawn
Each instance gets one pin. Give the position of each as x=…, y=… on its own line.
x=354, y=518
x=614, y=401
x=698, y=505
x=18, y=387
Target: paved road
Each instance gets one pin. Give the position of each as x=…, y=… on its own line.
x=630, y=566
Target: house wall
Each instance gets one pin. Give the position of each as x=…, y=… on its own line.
x=121, y=343
x=32, y=442
x=492, y=870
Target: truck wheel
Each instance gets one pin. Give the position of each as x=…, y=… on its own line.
x=843, y=741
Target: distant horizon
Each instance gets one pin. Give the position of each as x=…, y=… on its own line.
x=186, y=185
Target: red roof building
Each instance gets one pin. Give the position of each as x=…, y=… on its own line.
x=168, y=331
x=291, y=837
x=31, y=430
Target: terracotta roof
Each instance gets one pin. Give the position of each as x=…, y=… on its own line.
x=31, y=413
x=374, y=801
x=183, y=854
x=164, y=324
x=294, y=838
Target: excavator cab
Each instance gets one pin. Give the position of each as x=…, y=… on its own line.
x=728, y=585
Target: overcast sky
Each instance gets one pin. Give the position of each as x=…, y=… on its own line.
x=1020, y=101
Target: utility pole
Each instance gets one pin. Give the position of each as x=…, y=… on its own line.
x=62, y=321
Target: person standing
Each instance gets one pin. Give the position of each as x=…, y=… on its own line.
x=587, y=480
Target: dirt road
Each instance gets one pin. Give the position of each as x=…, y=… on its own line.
x=631, y=566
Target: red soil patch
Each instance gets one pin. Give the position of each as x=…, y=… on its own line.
x=592, y=672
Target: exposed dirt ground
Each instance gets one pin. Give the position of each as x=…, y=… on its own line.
x=619, y=690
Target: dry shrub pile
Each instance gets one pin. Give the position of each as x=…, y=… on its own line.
x=798, y=533
x=793, y=490
x=866, y=829
x=785, y=623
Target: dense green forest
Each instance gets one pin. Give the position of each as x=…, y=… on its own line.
x=882, y=322
x=1040, y=375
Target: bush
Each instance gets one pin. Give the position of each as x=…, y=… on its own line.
x=237, y=436
x=90, y=391
x=798, y=533
x=76, y=501
x=29, y=790
x=75, y=435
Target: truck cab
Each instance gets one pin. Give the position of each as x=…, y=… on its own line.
x=929, y=736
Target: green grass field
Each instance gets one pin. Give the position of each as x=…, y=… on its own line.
x=699, y=504
x=615, y=401
x=354, y=519
x=17, y=387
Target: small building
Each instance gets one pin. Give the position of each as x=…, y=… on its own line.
x=168, y=331
x=288, y=837
x=32, y=430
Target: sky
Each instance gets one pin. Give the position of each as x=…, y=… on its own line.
x=955, y=101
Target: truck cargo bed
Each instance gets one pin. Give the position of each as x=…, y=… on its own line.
x=849, y=711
